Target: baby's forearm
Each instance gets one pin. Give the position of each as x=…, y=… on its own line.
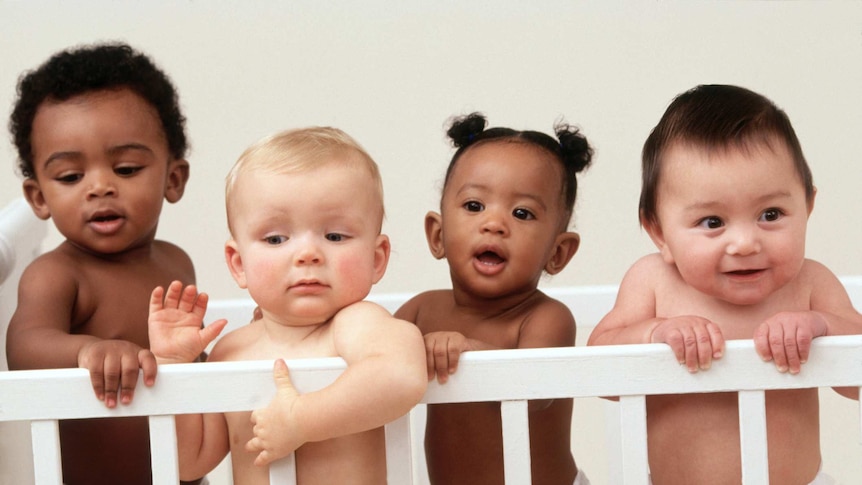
x=202, y=442
x=367, y=395
x=27, y=349
x=633, y=333
x=842, y=325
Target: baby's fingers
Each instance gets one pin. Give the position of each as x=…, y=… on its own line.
x=439, y=361
x=795, y=347
x=157, y=302
x=173, y=295
x=147, y=362
x=263, y=458
x=110, y=372
x=774, y=343
x=439, y=357
x=128, y=377
x=189, y=300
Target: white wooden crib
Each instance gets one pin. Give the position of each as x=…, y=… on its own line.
x=511, y=376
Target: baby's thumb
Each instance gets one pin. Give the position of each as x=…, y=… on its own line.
x=211, y=331
x=281, y=375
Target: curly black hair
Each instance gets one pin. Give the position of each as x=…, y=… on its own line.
x=571, y=147
x=89, y=68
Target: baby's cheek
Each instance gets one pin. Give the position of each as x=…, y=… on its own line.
x=356, y=275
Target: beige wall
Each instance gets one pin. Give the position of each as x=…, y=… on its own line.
x=391, y=73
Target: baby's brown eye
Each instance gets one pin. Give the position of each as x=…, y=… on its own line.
x=711, y=222
x=474, y=206
x=69, y=178
x=523, y=214
x=771, y=215
x=127, y=170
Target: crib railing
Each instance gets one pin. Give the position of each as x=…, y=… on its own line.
x=510, y=376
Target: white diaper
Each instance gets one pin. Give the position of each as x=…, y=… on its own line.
x=581, y=479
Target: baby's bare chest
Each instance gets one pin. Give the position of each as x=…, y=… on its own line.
x=113, y=301
x=735, y=321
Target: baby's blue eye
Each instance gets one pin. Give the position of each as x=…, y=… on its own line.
x=523, y=214
x=275, y=240
x=474, y=206
x=711, y=222
x=334, y=237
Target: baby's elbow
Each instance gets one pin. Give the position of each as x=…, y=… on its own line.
x=412, y=384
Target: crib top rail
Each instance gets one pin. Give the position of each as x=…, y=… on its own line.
x=483, y=376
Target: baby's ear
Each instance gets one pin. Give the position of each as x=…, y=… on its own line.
x=434, y=234
x=653, y=228
x=178, y=175
x=36, y=198
x=565, y=247
x=234, y=263
x=382, y=250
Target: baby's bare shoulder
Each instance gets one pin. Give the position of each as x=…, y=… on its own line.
x=244, y=343
x=52, y=276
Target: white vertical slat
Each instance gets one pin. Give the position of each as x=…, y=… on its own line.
x=613, y=440
x=399, y=456
x=418, y=416
x=634, y=440
x=516, y=442
x=752, y=437
x=46, y=452
x=283, y=471
x=163, y=449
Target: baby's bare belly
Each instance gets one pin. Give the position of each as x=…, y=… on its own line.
x=356, y=459
x=695, y=438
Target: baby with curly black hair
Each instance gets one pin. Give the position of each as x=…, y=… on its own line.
x=101, y=145
x=508, y=199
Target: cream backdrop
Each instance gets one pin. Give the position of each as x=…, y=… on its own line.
x=391, y=73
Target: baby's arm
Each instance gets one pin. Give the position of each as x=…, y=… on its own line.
x=176, y=336
x=384, y=379
x=695, y=341
x=786, y=337
x=442, y=349
x=39, y=336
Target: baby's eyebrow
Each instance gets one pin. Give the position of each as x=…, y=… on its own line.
x=714, y=204
x=520, y=195
x=115, y=150
x=58, y=156
x=76, y=155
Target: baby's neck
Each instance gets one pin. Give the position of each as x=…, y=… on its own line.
x=291, y=329
x=490, y=306
x=137, y=253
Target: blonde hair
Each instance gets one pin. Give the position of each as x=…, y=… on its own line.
x=300, y=150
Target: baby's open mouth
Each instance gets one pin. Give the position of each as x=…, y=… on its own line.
x=489, y=257
x=745, y=272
